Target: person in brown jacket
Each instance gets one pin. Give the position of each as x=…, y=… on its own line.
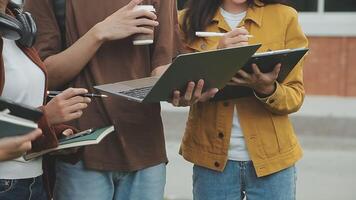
x=23, y=79
x=131, y=162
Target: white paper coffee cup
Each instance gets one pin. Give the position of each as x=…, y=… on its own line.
x=144, y=39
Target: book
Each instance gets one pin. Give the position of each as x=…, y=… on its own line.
x=17, y=119
x=84, y=138
x=266, y=62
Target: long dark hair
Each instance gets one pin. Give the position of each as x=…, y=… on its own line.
x=199, y=13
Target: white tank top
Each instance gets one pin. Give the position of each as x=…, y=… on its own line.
x=24, y=83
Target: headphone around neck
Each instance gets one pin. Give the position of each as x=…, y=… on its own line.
x=21, y=28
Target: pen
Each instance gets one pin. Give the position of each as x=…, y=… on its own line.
x=53, y=94
x=214, y=34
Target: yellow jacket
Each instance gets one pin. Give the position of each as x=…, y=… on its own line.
x=269, y=134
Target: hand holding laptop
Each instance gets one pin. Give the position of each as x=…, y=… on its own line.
x=193, y=94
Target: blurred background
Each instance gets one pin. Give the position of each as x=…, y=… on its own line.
x=326, y=123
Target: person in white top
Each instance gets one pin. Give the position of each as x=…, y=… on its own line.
x=14, y=147
x=23, y=80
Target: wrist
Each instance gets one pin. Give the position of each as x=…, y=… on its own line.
x=266, y=91
x=97, y=33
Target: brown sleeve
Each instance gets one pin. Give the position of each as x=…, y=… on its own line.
x=166, y=43
x=48, y=139
x=48, y=37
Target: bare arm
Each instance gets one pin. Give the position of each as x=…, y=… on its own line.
x=64, y=66
x=127, y=21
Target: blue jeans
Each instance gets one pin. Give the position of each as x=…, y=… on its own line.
x=22, y=189
x=75, y=182
x=239, y=179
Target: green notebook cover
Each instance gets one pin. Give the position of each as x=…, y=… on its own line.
x=8, y=129
x=94, y=137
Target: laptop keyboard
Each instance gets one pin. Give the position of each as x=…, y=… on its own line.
x=139, y=93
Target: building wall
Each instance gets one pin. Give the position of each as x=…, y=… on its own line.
x=330, y=68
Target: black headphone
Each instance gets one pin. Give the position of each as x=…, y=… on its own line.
x=21, y=28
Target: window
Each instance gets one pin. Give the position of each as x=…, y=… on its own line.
x=305, y=5
x=340, y=6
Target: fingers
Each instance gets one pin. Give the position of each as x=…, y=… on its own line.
x=71, y=92
x=241, y=39
x=73, y=116
x=276, y=70
x=68, y=132
x=238, y=81
x=189, y=92
x=244, y=74
x=30, y=136
x=208, y=95
x=77, y=99
x=199, y=89
x=145, y=22
x=132, y=4
x=24, y=147
x=143, y=14
x=237, y=32
x=176, y=98
x=256, y=71
x=77, y=107
x=142, y=30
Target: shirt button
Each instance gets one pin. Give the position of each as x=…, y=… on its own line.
x=217, y=164
x=203, y=46
x=221, y=135
x=226, y=104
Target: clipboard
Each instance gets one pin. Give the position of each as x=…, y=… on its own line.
x=266, y=62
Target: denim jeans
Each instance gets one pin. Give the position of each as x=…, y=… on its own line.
x=75, y=182
x=239, y=180
x=22, y=189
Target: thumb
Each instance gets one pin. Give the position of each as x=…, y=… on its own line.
x=30, y=136
x=68, y=132
x=208, y=95
x=132, y=4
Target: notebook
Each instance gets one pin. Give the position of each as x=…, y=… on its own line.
x=17, y=119
x=87, y=137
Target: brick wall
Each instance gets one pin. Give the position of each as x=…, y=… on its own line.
x=330, y=68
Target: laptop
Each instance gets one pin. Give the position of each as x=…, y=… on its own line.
x=215, y=67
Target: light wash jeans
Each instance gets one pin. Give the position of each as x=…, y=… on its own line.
x=239, y=180
x=74, y=182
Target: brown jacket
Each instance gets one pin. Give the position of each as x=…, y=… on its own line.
x=138, y=141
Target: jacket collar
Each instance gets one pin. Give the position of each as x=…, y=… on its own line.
x=254, y=14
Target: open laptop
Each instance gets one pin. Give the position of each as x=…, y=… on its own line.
x=215, y=67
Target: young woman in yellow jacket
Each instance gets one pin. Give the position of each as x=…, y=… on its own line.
x=246, y=146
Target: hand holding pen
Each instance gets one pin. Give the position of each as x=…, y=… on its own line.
x=235, y=38
x=67, y=105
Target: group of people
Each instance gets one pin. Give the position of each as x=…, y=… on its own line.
x=243, y=147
